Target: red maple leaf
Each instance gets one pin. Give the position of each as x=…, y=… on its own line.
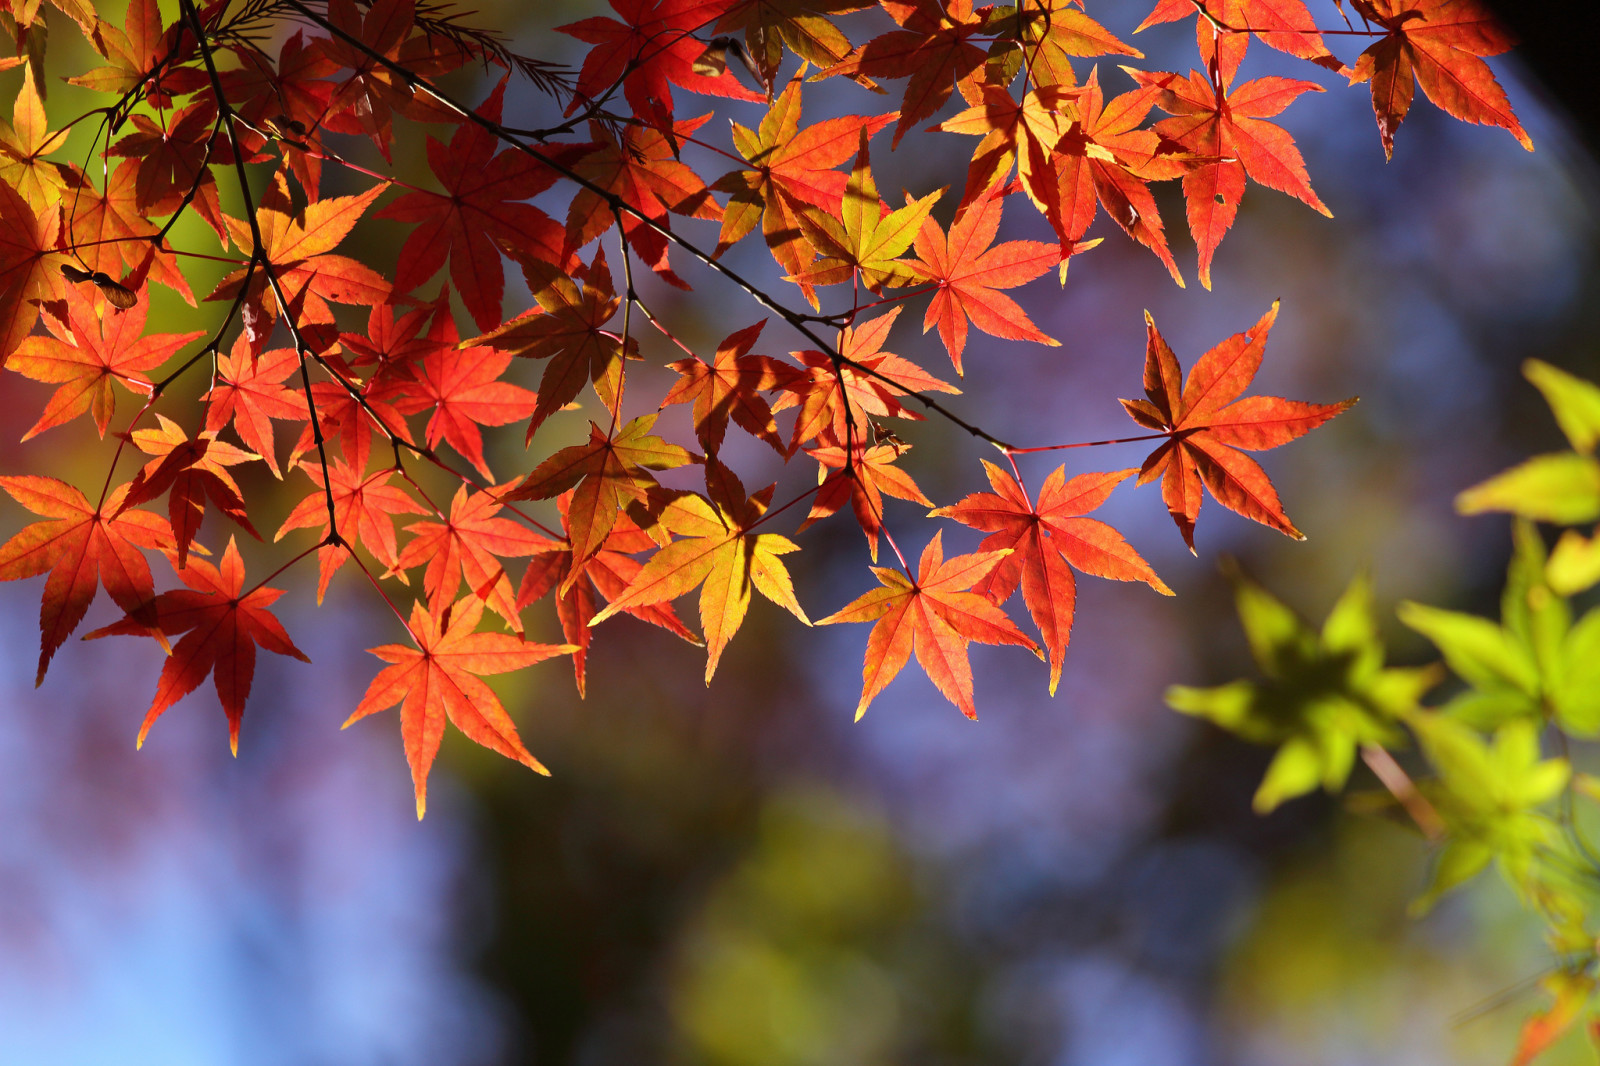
x=642, y=170
x=249, y=392
x=81, y=545
x=1104, y=157
x=470, y=544
x=829, y=397
x=93, y=347
x=1223, y=123
x=1043, y=540
x=566, y=327
x=464, y=390
x=222, y=625
x=189, y=471
x=110, y=233
x=936, y=617
x=933, y=48
x=1438, y=43
x=364, y=508
x=28, y=266
x=1223, y=29
x=440, y=679
x=1207, y=423
x=298, y=248
x=649, y=51
x=480, y=205
x=609, y=571
x=970, y=273
x=862, y=481
x=730, y=386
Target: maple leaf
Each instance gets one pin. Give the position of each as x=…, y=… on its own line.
x=479, y=207
x=463, y=387
x=1043, y=539
x=364, y=509
x=830, y=397
x=933, y=48
x=730, y=386
x=1052, y=32
x=1436, y=42
x=717, y=552
x=802, y=25
x=644, y=172
x=174, y=158
x=440, y=678
x=933, y=615
x=298, y=248
x=1224, y=123
x=566, y=327
x=189, y=471
x=970, y=270
x=222, y=625
x=1282, y=24
x=372, y=93
x=81, y=545
x=609, y=571
x=649, y=51
x=89, y=350
x=23, y=144
x=865, y=240
x=1207, y=423
x=792, y=167
x=864, y=477
x=142, y=54
x=1103, y=157
x=249, y=392
x=470, y=544
x=110, y=233
x=28, y=266
x=606, y=473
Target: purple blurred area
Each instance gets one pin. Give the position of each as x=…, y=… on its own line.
x=741, y=875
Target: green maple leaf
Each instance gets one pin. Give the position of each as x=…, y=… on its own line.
x=1323, y=696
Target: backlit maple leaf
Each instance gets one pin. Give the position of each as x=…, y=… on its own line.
x=110, y=233
x=364, y=508
x=479, y=206
x=649, y=51
x=609, y=571
x=730, y=386
x=861, y=480
x=189, y=471
x=717, y=552
x=790, y=166
x=606, y=474
x=1043, y=540
x=1223, y=29
x=92, y=348
x=970, y=270
x=28, y=266
x=1207, y=423
x=23, y=144
x=470, y=544
x=440, y=679
x=81, y=546
x=1225, y=124
x=1438, y=43
x=249, y=392
x=936, y=617
x=298, y=246
x=222, y=625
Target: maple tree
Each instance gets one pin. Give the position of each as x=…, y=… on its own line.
x=260, y=122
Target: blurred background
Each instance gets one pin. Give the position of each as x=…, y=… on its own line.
x=741, y=875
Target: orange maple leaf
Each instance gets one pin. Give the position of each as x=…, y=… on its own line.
x=364, y=508
x=81, y=545
x=1043, y=539
x=1207, y=423
x=730, y=386
x=1438, y=43
x=440, y=679
x=935, y=617
x=91, y=348
x=249, y=392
